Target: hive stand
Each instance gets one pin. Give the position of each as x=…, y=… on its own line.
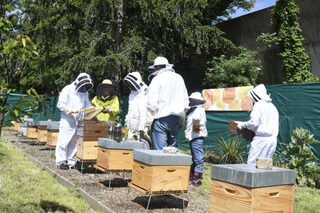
x=116, y=156
x=155, y=172
x=244, y=188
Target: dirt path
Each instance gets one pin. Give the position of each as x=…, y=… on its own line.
x=117, y=197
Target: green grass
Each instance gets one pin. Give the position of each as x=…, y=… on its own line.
x=27, y=188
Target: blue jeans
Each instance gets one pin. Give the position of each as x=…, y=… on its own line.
x=197, y=154
x=164, y=132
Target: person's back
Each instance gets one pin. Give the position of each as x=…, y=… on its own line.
x=168, y=100
x=269, y=119
x=168, y=94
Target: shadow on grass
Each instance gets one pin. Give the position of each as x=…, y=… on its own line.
x=162, y=202
x=116, y=182
x=50, y=206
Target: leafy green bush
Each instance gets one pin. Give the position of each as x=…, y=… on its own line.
x=298, y=155
x=231, y=151
x=240, y=70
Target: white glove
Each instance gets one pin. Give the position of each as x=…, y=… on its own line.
x=67, y=111
x=240, y=126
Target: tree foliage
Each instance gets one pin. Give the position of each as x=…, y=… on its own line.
x=239, y=70
x=15, y=51
x=288, y=37
x=109, y=38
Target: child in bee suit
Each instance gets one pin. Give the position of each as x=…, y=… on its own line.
x=195, y=132
x=107, y=100
x=264, y=122
x=72, y=98
x=138, y=118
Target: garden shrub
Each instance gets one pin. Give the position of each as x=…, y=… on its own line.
x=298, y=155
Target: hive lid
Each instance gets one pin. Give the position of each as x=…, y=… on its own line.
x=43, y=123
x=158, y=157
x=28, y=119
x=53, y=125
x=248, y=175
x=33, y=124
x=111, y=144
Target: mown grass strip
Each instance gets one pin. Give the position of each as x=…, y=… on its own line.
x=28, y=188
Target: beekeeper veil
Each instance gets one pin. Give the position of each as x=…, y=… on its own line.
x=259, y=93
x=195, y=100
x=160, y=64
x=133, y=81
x=83, y=83
x=106, y=90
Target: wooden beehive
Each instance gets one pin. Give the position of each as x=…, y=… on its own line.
x=91, y=130
x=114, y=159
x=16, y=126
x=52, y=134
x=87, y=150
x=160, y=178
x=245, y=133
x=252, y=192
x=113, y=155
x=160, y=171
x=42, y=131
x=32, y=130
x=88, y=133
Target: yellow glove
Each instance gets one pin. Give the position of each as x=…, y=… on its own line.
x=196, y=128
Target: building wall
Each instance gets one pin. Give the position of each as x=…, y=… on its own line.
x=244, y=31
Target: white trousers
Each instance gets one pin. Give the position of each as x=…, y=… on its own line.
x=262, y=147
x=67, y=153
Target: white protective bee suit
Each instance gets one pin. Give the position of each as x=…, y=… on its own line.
x=138, y=118
x=71, y=100
x=264, y=121
x=168, y=100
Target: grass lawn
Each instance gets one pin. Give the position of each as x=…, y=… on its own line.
x=27, y=188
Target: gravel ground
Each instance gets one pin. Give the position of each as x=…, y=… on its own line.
x=118, y=197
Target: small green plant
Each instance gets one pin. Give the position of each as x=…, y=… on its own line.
x=230, y=151
x=298, y=155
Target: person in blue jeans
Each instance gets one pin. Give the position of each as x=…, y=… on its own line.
x=168, y=101
x=195, y=133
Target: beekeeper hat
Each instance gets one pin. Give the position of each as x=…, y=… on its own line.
x=258, y=93
x=83, y=80
x=133, y=81
x=107, y=81
x=159, y=61
x=196, y=95
x=196, y=99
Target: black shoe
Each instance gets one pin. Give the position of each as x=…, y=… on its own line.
x=74, y=167
x=63, y=167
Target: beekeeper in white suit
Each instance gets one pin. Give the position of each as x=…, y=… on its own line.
x=138, y=118
x=264, y=121
x=72, y=98
x=168, y=100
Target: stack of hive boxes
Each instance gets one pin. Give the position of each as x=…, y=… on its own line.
x=42, y=131
x=32, y=130
x=88, y=133
x=52, y=133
